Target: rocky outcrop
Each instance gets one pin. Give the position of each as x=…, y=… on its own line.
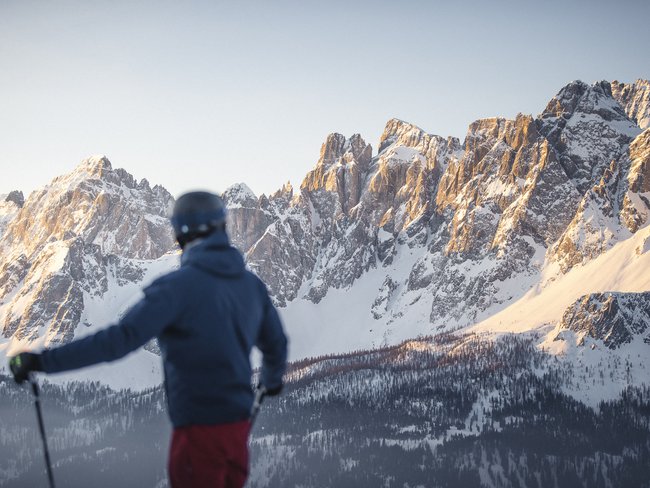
x=595, y=228
x=406, y=174
x=340, y=172
x=247, y=216
x=508, y=184
x=9, y=207
x=588, y=128
x=635, y=99
x=613, y=318
x=16, y=197
x=284, y=256
x=611, y=210
x=639, y=175
x=635, y=209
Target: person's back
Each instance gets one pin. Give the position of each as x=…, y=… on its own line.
x=223, y=311
x=207, y=316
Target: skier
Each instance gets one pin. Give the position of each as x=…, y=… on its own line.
x=207, y=316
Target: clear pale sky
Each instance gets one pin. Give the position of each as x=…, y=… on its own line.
x=206, y=94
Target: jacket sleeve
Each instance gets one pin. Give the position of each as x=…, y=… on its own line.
x=145, y=320
x=273, y=343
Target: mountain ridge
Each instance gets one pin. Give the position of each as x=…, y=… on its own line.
x=472, y=312
x=437, y=234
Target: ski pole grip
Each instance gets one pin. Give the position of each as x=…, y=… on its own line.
x=260, y=394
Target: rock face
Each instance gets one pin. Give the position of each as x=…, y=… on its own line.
x=16, y=197
x=102, y=206
x=70, y=240
x=613, y=318
x=588, y=128
x=635, y=99
x=562, y=187
x=610, y=210
x=434, y=231
x=9, y=206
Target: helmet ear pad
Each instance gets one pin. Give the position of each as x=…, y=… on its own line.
x=197, y=214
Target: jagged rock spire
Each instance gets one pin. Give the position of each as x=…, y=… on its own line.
x=16, y=197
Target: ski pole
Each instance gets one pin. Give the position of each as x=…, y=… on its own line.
x=260, y=393
x=41, y=428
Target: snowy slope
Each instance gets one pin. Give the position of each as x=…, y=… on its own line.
x=138, y=370
x=623, y=268
x=343, y=320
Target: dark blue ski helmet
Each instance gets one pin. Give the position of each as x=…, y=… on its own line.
x=197, y=214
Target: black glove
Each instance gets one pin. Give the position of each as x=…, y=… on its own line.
x=23, y=364
x=275, y=390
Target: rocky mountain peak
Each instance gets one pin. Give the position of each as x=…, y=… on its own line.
x=397, y=130
x=285, y=193
x=483, y=134
x=488, y=128
x=287, y=187
x=102, y=206
x=16, y=197
x=579, y=98
x=240, y=195
x=576, y=96
x=10, y=205
x=332, y=149
x=358, y=150
x=435, y=149
x=341, y=169
x=524, y=131
x=588, y=128
x=94, y=166
x=567, y=99
x=71, y=240
x=338, y=149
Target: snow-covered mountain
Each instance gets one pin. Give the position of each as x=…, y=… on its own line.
x=494, y=291
x=428, y=234
x=73, y=255
x=432, y=235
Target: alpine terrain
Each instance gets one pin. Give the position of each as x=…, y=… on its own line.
x=460, y=313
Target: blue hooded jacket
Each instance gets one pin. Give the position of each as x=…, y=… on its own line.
x=207, y=316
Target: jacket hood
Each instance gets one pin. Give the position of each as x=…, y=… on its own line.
x=215, y=255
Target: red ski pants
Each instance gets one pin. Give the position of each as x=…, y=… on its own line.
x=209, y=456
